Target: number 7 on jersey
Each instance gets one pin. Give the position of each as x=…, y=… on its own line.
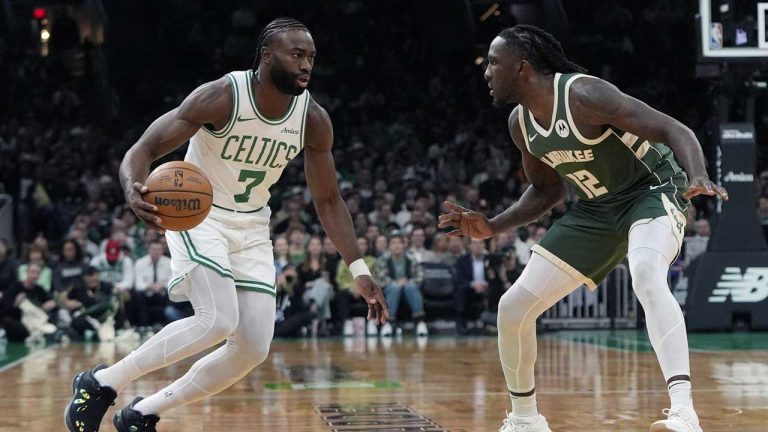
x=245, y=175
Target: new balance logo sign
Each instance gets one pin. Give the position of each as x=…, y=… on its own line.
x=749, y=287
x=736, y=134
x=740, y=177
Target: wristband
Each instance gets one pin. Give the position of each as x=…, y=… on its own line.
x=359, y=268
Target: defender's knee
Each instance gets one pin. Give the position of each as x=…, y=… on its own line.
x=515, y=309
x=648, y=269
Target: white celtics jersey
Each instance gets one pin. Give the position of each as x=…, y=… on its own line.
x=245, y=158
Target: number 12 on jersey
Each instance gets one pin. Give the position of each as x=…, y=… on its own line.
x=588, y=183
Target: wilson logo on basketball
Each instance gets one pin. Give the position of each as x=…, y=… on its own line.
x=179, y=204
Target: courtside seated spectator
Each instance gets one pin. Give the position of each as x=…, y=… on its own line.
x=37, y=255
x=401, y=275
x=417, y=249
x=150, y=297
x=27, y=309
x=90, y=303
x=115, y=266
x=347, y=297
x=69, y=270
x=471, y=272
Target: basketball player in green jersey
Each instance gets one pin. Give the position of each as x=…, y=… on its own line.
x=617, y=154
x=243, y=130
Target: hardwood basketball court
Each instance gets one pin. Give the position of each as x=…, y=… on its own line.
x=587, y=380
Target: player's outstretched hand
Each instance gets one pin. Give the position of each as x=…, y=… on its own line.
x=466, y=222
x=143, y=210
x=704, y=186
x=377, y=304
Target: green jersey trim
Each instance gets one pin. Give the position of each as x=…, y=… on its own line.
x=572, y=124
x=236, y=99
x=237, y=211
x=255, y=289
x=262, y=117
x=523, y=129
x=256, y=286
x=304, y=122
x=203, y=260
x=175, y=281
x=553, y=119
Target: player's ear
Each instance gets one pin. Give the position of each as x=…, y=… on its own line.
x=523, y=65
x=266, y=54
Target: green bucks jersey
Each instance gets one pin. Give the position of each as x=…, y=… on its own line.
x=613, y=167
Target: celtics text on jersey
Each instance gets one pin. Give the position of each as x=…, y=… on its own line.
x=246, y=157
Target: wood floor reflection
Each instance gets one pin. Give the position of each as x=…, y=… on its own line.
x=587, y=381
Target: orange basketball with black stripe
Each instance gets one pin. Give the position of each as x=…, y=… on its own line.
x=182, y=194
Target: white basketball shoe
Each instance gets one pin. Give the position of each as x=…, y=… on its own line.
x=525, y=424
x=679, y=419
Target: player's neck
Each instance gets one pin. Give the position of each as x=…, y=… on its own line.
x=539, y=97
x=269, y=100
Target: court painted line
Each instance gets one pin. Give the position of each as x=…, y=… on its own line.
x=26, y=357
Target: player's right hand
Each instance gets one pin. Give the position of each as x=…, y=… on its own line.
x=465, y=221
x=143, y=210
x=374, y=297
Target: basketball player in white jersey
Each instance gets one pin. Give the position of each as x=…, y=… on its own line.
x=243, y=130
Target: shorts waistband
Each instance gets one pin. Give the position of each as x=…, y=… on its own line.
x=237, y=211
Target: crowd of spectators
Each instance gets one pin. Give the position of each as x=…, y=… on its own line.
x=413, y=127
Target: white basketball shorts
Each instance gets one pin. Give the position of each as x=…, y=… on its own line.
x=234, y=245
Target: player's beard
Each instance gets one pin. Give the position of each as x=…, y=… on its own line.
x=285, y=81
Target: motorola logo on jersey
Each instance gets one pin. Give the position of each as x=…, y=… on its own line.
x=562, y=128
x=179, y=204
x=740, y=177
x=751, y=286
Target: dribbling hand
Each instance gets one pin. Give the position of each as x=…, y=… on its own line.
x=465, y=221
x=377, y=304
x=702, y=185
x=143, y=210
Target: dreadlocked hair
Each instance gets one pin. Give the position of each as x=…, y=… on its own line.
x=540, y=49
x=279, y=25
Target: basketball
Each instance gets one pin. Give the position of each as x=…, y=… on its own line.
x=181, y=193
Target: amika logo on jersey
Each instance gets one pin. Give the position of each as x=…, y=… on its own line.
x=557, y=157
x=178, y=204
x=290, y=131
x=252, y=150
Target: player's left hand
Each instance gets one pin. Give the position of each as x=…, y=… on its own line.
x=374, y=297
x=702, y=185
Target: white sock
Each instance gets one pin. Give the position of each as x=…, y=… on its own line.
x=680, y=393
x=541, y=285
x=215, y=318
x=118, y=375
x=524, y=406
x=245, y=348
